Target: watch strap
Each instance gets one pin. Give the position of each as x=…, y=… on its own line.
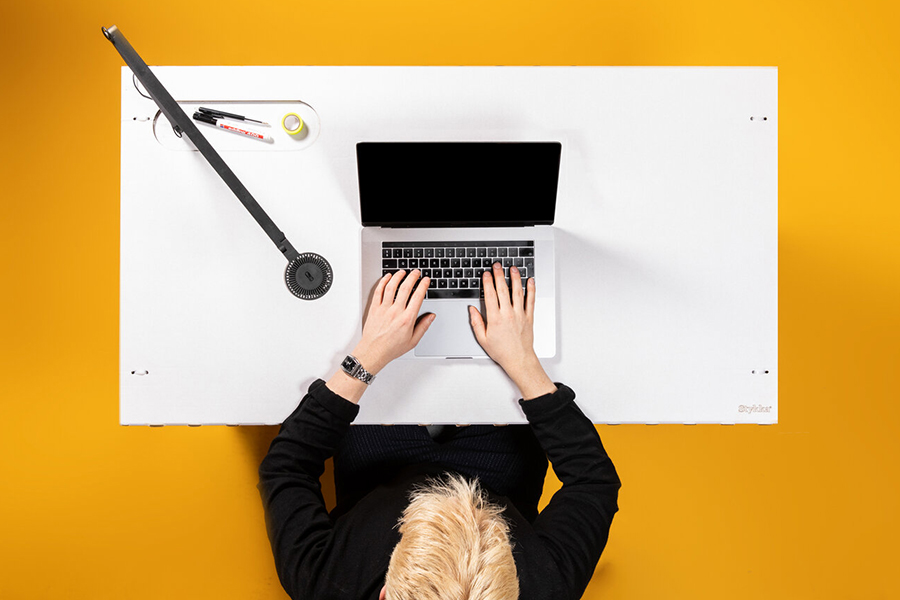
x=354, y=368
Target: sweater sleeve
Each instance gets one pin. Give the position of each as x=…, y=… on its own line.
x=297, y=520
x=574, y=526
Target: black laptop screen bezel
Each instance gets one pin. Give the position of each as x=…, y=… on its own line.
x=371, y=220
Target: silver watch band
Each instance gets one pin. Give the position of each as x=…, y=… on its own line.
x=354, y=368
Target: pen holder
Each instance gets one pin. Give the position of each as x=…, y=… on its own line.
x=272, y=112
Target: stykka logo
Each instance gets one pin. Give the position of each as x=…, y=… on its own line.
x=756, y=408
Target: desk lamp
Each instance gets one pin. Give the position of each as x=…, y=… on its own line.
x=308, y=275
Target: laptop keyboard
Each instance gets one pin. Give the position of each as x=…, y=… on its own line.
x=455, y=268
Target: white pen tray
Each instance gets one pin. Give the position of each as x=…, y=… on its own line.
x=271, y=112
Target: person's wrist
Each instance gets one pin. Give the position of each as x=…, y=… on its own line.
x=523, y=366
x=530, y=377
x=347, y=387
x=369, y=359
x=351, y=388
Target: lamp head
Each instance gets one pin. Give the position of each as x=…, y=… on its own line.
x=308, y=276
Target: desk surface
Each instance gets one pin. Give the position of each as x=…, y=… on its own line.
x=666, y=241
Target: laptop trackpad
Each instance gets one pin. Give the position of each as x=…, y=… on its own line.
x=450, y=334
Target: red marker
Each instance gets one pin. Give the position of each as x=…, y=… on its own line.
x=204, y=118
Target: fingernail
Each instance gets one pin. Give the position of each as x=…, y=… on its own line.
x=513, y=268
x=497, y=265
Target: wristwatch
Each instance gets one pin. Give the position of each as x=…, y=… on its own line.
x=353, y=368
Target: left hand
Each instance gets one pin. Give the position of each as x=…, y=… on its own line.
x=392, y=328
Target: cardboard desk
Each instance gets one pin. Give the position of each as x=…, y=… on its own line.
x=666, y=233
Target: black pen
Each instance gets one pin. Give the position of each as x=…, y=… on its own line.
x=218, y=113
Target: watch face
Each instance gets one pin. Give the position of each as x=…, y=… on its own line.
x=348, y=364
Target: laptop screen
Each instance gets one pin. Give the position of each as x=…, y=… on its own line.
x=458, y=184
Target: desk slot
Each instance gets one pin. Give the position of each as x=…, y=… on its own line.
x=224, y=142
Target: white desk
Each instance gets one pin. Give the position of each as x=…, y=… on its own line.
x=666, y=241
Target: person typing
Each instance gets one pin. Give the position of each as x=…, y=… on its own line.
x=449, y=515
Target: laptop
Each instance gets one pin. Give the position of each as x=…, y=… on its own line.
x=452, y=209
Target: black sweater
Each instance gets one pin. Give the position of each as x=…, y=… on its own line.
x=320, y=558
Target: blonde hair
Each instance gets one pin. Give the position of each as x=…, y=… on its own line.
x=454, y=545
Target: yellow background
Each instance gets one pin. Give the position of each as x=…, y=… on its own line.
x=804, y=509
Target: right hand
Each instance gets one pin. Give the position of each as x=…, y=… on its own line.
x=508, y=335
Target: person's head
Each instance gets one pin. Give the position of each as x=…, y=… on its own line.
x=454, y=545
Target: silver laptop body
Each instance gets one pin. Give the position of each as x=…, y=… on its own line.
x=500, y=181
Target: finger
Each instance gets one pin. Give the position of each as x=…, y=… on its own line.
x=378, y=294
x=390, y=290
x=502, y=289
x=477, y=323
x=406, y=287
x=529, y=299
x=422, y=326
x=518, y=296
x=491, y=305
x=418, y=296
